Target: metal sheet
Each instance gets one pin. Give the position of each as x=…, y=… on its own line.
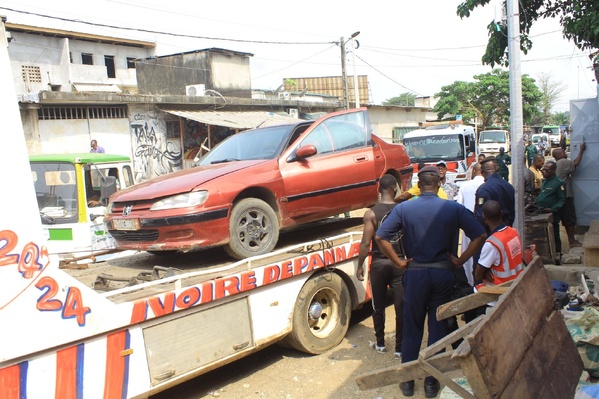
x=235, y=120
x=585, y=127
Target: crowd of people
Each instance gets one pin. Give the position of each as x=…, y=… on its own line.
x=426, y=269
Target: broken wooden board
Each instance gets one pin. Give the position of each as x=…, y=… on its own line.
x=513, y=351
x=472, y=301
x=520, y=349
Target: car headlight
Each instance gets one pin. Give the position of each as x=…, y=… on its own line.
x=186, y=200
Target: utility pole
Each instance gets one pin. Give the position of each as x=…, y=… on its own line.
x=344, y=74
x=356, y=89
x=516, y=119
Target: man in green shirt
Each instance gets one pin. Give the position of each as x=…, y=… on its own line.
x=503, y=160
x=552, y=198
x=530, y=151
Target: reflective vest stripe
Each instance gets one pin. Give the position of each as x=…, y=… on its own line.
x=503, y=270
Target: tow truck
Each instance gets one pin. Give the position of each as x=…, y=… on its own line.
x=61, y=338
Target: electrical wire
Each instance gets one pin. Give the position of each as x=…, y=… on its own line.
x=161, y=32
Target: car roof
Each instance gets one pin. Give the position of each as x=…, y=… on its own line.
x=83, y=157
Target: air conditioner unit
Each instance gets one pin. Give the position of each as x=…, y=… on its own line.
x=195, y=90
x=294, y=113
x=284, y=95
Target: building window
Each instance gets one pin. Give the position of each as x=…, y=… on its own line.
x=31, y=74
x=173, y=129
x=131, y=62
x=109, y=62
x=87, y=59
x=60, y=113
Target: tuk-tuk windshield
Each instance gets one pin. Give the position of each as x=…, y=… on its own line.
x=56, y=190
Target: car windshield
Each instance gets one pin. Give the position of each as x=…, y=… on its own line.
x=492, y=137
x=435, y=148
x=551, y=130
x=263, y=143
x=56, y=190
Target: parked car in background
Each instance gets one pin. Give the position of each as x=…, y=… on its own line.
x=256, y=183
x=538, y=139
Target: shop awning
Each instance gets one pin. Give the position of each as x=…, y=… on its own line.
x=235, y=120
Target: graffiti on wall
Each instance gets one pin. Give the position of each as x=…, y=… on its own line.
x=154, y=154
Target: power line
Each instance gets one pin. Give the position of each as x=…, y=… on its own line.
x=79, y=21
x=391, y=79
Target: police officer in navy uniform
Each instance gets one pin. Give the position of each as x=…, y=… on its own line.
x=495, y=188
x=429, y=226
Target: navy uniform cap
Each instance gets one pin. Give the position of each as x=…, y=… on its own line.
x=432, y=170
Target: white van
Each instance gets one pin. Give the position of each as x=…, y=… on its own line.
x=489, y=141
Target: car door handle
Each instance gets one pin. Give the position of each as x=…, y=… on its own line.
x=361, y=159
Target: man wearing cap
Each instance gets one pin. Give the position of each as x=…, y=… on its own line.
x=495, y=188
x=448, y=185
x=503, y=160
x=430, y=226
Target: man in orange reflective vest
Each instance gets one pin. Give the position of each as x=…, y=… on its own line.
x=501, y=255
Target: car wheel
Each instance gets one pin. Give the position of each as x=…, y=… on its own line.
x=321, y=314
x=253, y=229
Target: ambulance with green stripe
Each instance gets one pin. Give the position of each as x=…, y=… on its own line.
x=69, y=189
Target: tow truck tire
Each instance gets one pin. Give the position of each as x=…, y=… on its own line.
x=253, y=229
x=321, y=315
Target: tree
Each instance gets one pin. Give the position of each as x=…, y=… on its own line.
x=487, y=98
x=560, y=118
x=579, y=20
x=550, y=92
x=404, y=99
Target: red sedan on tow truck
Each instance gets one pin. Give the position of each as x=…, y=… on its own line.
x=256, y=183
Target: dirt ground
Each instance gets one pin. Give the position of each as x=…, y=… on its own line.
x=278, y=372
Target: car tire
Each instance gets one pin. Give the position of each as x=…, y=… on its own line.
x=321, y=314
x=253, y=229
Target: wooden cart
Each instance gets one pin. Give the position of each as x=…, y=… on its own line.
x=520, y=349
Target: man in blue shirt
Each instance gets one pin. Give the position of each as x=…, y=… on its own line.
x=495, y=188
x=430, y=226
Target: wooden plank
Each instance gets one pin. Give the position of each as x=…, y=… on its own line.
x=445, y=380
x=464, y=304
x=450, y=339
x=406, y=372
x=511, y=327
x=551, y=367
x=473, y=301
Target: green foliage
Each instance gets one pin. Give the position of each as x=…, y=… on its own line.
x=487, y=98
x=404, y=99
x=560, y=118
x=579, y=20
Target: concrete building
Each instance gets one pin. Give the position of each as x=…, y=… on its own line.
x=163, y=112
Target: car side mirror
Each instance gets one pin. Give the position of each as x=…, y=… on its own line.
x=303, y=152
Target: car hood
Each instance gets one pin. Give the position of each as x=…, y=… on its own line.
x=182, y=181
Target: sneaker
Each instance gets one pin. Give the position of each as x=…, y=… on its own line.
x=380, y=349
x=397, y=355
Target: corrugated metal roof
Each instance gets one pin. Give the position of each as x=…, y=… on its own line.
x=235, y=120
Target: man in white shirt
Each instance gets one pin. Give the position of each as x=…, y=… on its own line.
x=466, y=196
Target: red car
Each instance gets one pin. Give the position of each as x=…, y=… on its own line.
x=256, y=183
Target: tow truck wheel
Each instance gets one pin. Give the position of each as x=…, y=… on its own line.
x=253, y=227
x=321, y=315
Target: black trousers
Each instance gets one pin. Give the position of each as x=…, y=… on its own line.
x=385, y=275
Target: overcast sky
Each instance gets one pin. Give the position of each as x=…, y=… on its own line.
x=416, y=46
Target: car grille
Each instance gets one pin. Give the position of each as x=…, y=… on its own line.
x=118, y=207
x=140, y=235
